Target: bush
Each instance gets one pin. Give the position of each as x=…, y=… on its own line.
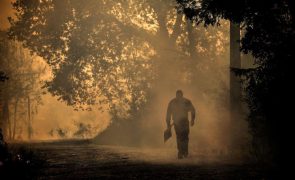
x=18, y=162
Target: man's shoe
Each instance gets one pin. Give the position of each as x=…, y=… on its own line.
x=180, y=156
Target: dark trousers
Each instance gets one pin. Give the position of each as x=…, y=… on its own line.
x=182, y=131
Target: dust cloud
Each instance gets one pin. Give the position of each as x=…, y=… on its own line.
x=203, y=79
x=56, y=120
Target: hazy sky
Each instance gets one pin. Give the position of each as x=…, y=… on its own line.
x=5, y=11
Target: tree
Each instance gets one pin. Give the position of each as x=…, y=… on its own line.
x=122, y=57
x=73, y=48
x=22, y=86
x=269, y=37
x=83, y=68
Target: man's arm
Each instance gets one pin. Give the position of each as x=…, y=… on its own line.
x=193, y=113
x=168, y=116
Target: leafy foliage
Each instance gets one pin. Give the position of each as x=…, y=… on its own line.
x=85, y=45
x=110, y=53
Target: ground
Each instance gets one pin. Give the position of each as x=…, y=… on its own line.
x=84, y=160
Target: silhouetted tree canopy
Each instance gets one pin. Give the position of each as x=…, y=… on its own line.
x=110, y=52
x=87, y=48
x=270, y=38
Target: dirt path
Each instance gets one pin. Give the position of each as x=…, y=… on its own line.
x=89, y=161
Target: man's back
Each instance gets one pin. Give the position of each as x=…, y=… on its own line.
x=179, y=108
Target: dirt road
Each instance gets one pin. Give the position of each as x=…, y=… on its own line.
x=90, y=161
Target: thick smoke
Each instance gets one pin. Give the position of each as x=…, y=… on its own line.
x=204, y=80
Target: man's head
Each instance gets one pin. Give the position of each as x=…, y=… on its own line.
x=179, y=94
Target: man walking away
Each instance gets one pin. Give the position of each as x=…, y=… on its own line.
x=178, y=110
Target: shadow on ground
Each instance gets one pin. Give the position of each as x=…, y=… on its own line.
x=84, y=160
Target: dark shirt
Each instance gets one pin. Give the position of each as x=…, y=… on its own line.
x=178, y=109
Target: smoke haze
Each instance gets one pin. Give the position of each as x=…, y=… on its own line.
x=203, y=79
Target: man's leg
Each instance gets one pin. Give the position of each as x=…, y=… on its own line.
x=182, y=131
x=179, y=147
x=182, y=144
x=185, y=138
x=177, y=128
x=185, y=144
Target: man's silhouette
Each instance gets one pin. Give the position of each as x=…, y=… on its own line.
x=178, y=110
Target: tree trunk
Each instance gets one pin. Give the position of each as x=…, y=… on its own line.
x=29, y=119
x=191, y=39
x=5, y=119
x=238, y=125
x=15, y=118
x=194, y=59
x=235, y=62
